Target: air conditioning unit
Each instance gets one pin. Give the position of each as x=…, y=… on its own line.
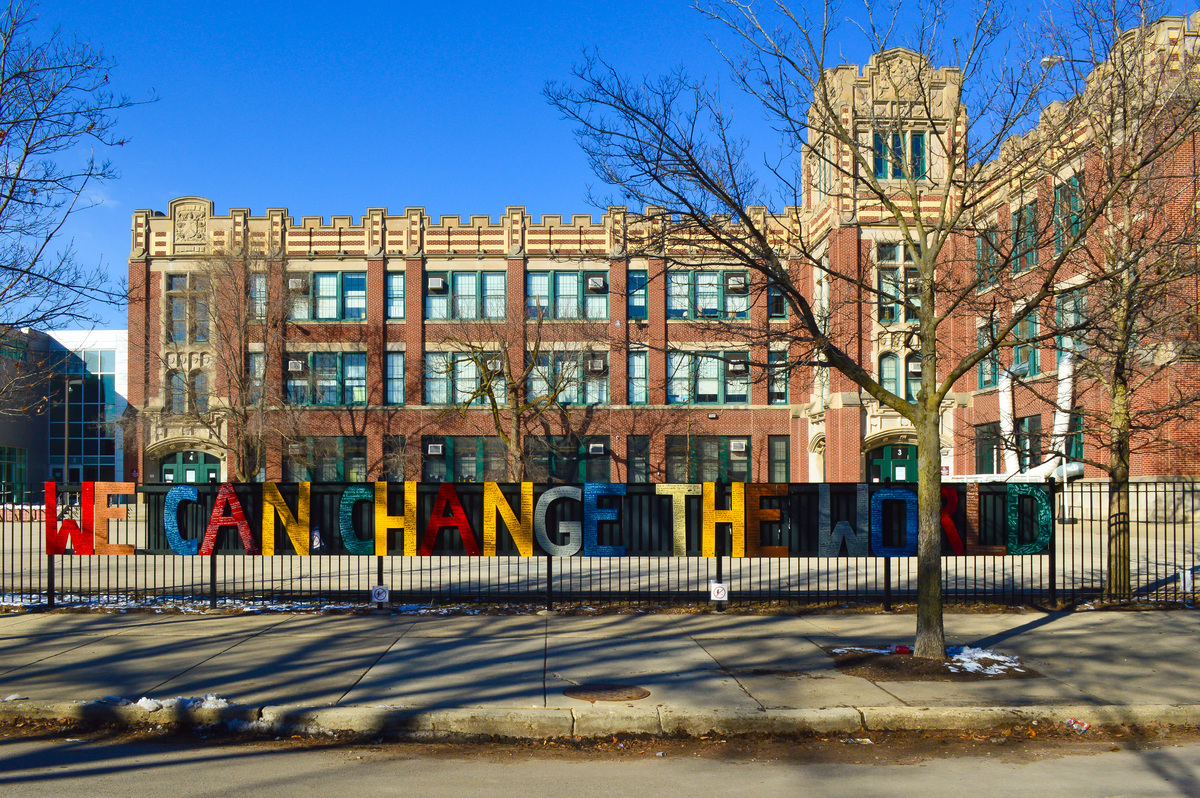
x=737, y=446
x=596, y=284
x=295, y=365
x=736, y=284
x=914, y=367
x=596, y=365
x=595, y=448
x=437, y=285
x=433, y=448
x=493, y=365
x=297, y=284
x=738, y=367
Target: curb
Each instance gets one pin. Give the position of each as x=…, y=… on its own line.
x=591, y=721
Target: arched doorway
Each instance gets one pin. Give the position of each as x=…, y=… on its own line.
x=893, y=462
x=189, y=466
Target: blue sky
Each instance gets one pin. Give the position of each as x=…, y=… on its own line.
x=390, y=104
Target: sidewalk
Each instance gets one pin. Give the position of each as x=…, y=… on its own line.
x=506, y=675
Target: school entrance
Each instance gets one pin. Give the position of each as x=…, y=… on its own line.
x=895, y=462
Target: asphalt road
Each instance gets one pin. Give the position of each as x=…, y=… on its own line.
x=97, y=768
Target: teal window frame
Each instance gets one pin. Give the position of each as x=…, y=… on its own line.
x=895, y=295
x=779, y=458
x=912, y=385
x=393, y=378
x=1070, y=310
x=777, y=377
x=636, y=302
x=395, y=288
x=889, y=372
x=987, y=258
x=566, y=460
x=487, y=290
x=1027, y=353
x=706, y=299
x=889, y=159
x=637, y=454
x=330, y=379
x=692, y=375
x=464, y=458
x=1024, y=235
x=567, y=296
x=569, y=370
x=1068, y=219
x=988, y=369
x=639, y=377
x=317, y=303
x=706, y=458
x=328, y=458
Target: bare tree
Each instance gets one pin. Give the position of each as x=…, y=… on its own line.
x=1125, y=329
x=54, y=102
x=927, y=158
x=522, y=378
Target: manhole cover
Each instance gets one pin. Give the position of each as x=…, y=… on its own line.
x=606, y=692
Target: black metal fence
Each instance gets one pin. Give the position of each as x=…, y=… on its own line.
x=1074, y=566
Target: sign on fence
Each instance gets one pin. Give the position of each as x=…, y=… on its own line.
x=591, y=520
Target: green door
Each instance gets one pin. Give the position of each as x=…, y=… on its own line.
x=896, y=462
x=190, y=466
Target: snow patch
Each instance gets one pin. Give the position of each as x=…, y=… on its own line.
x=964, y=659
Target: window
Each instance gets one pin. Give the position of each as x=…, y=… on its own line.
x=326, y=459
x=176, y=392
x=989, y=453
x=987, y=258
x=1025, y=236
x=395, y=295
x=567, y=295
x=636, y=301
x=394, y=378
x=779, y=458
x=988, y=368
x=890, y=161
x=354, y=295
x=1070, y=312
x=187, y=309
x=395, y=459
x=899, y=286
x=708, y=295
x=325, y=378
x=255, y=368
x=776, y=303
x=568, y=459
x=1073, y=445
x=639, y=378
x=187, y=393
x=13, y=469
x=638, y=452
x=257, y=290
x=1029, y=441
x=708, y=378
x=464, y=295
x=570, y=378
x=1027, y=354
x=462, y=458
x=912, y=377
x=777, y=378
x=1067, y=217
x=327, y=296
x=889, y=366
x=707, y=458
x=454, y=378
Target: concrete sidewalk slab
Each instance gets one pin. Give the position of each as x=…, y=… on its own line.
x=456, y=672
x=279, y=669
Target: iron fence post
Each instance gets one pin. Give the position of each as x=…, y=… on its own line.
x=50, y=581
x=720, y=547
x=212, y=579
x=887, y=584
x=1053, y=563
x=549, y=582
x=379, y=578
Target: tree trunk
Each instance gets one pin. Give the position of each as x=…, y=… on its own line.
x=931, y=634
x=1118, y=586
